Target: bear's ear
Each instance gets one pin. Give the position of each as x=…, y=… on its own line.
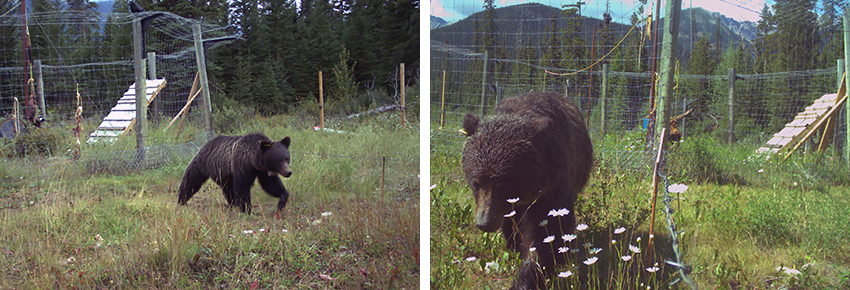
x=470, y=124
x=265, y=144
x=285, y=141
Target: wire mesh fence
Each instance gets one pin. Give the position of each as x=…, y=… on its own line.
x=470, y=75
x=58, y=56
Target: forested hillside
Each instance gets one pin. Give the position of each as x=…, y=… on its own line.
x=358, y=45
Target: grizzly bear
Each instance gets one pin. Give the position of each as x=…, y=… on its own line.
x=234, y=162
x=535, y=148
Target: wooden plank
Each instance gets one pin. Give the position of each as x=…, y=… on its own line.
x=811, y=131
x=120, y=116
x=114, y=124
x=105, y=133
x=829, y=129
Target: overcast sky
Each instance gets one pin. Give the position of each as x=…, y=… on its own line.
x=741, y=10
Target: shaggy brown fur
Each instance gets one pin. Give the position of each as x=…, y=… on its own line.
x=535, y=148
x=234, y=162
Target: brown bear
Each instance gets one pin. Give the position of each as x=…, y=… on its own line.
x=535, y=148
x=234, y=162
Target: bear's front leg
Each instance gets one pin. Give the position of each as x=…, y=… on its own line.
x=274, y=187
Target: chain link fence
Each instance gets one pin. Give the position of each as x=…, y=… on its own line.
x=86, y=58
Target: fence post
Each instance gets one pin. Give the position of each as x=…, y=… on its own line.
x=141, y=88
x=321, y=103
x=39, y=87
x=847, y=69
x=155, y=104
x=604, y=95
x=682, y=121
x=668, y=54
x=443, y=101
x=202, y=79
x=730, y=127
x=403, y=108
x=836, y=145
x=484, y=85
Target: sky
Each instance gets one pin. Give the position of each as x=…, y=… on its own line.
x=741, y=10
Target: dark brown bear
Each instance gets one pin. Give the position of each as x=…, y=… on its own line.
x=234, y=162
x=535, y=148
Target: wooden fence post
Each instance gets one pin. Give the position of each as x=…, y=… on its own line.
x=836, y=145
x=484, y=85
x=202, y=79
x=321, y=103
x=730, y=127
x=847, y=76
x=39, y=87
x=604, y=95
x=141, y=88
x=443, y=101
x=403, y=108
x=156, y=110
x=667, y=69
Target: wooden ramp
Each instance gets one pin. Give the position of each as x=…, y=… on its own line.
x=123, y=116
x=821, y=114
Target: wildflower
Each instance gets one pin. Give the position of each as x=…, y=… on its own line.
x=613, y=242
x=565, y=274
x=562, y=250
x=626, y=258
x=327, y=213
x=569, y=237
x=548, y=239
x=510, y=214
x=488, y=265
x=532, y=249
x=792, y=272
x=284, y=230
x=677, y=188
x=581, y=227
x=634, y=249
x=638, y=239
x=590, y=261
x=247, y=232
x=432, y=187
x=619, y=231
x=574, y=250
x=560, y=212
x=470, y=259
x=513, y=200
x=652, y=269
x=544, y=223
x=595, y=251
x=262, y=230
x=761, y=170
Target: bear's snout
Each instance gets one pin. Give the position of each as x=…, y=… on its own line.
x=287, y=173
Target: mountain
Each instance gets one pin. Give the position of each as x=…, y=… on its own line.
x=697, y=22
x=536, y=19
x=437, y=22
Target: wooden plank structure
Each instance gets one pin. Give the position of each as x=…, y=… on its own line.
x=821, y=114
x=123, y=116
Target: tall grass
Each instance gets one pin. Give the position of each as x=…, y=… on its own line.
x=66, y=226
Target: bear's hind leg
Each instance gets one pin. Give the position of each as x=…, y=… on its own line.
x=192, y=181
x=242, y=193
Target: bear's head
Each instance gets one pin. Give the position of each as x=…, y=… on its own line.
x=500, y=162
x=275, y=157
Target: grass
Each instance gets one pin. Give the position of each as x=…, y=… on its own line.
x=747, y=221
x=89, y=224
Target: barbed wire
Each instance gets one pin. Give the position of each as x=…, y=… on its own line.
x=681, y=267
